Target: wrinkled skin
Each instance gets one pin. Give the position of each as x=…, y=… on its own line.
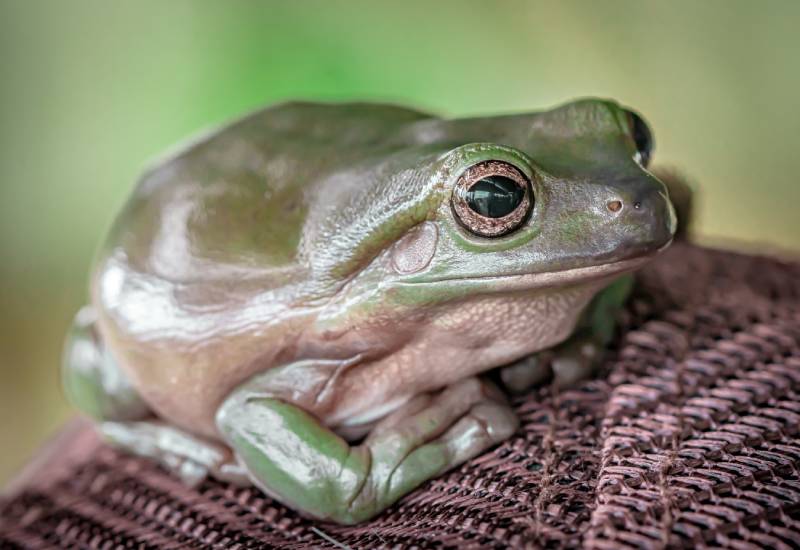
x=293, y=302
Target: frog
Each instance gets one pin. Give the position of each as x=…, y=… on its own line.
x=316, y=299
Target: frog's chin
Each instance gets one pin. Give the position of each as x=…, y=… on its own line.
x=554, y=279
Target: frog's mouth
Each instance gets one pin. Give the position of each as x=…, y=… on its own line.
x=529, y=281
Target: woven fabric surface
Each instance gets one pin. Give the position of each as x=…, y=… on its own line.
x=687, y=437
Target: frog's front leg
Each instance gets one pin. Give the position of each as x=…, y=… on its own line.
x=576, y=358
x=296, y=459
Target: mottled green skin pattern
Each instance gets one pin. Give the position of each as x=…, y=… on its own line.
x=298, y=279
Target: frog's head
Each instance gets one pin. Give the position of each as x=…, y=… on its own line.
x=497, y=204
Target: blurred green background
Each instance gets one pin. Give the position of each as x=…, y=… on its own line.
x=90, y=90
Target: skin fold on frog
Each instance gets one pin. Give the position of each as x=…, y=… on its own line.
x=306, y=299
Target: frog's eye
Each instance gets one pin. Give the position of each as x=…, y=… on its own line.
x=642, y=137
x=492, y=198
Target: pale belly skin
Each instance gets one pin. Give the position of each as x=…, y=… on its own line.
x=306, y=299
x=392, y=356
x=461, y=341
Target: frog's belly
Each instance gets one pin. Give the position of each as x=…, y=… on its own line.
x=461, y=340
x=185, y=384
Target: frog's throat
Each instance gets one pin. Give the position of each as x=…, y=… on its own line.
x=529, y=281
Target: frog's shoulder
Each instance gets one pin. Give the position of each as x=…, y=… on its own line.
x=237, y=198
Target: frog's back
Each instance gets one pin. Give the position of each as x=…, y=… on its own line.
x=236, y=200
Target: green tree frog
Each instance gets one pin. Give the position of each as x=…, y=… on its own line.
x=306, y=299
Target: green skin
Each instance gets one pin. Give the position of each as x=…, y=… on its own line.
x=293, y=301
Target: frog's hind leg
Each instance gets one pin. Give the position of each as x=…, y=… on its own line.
x=92, y=380
x=576, y=358
x=94, y=383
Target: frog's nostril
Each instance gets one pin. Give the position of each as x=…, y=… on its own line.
x=614, y=206
x=637, y=205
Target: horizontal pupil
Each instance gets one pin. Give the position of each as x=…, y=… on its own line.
x=495, y=196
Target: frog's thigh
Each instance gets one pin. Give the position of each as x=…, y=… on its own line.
x=94, y=383
x=293, y=457
x=189, y=457
x=92, y=380
x=577, y=357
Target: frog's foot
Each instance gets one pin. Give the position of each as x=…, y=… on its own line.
x=189, y=457
x=565, y=365
x=293, y=457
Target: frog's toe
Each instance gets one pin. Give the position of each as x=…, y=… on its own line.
x=526, y=373
x=487, y=424
x=190, y=472
x=574, y=361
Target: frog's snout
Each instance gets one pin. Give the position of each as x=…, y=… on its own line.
x=647, y=217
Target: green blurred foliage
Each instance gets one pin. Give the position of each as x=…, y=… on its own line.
x=91, y=90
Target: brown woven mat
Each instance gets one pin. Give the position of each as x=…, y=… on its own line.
x=688, y=438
